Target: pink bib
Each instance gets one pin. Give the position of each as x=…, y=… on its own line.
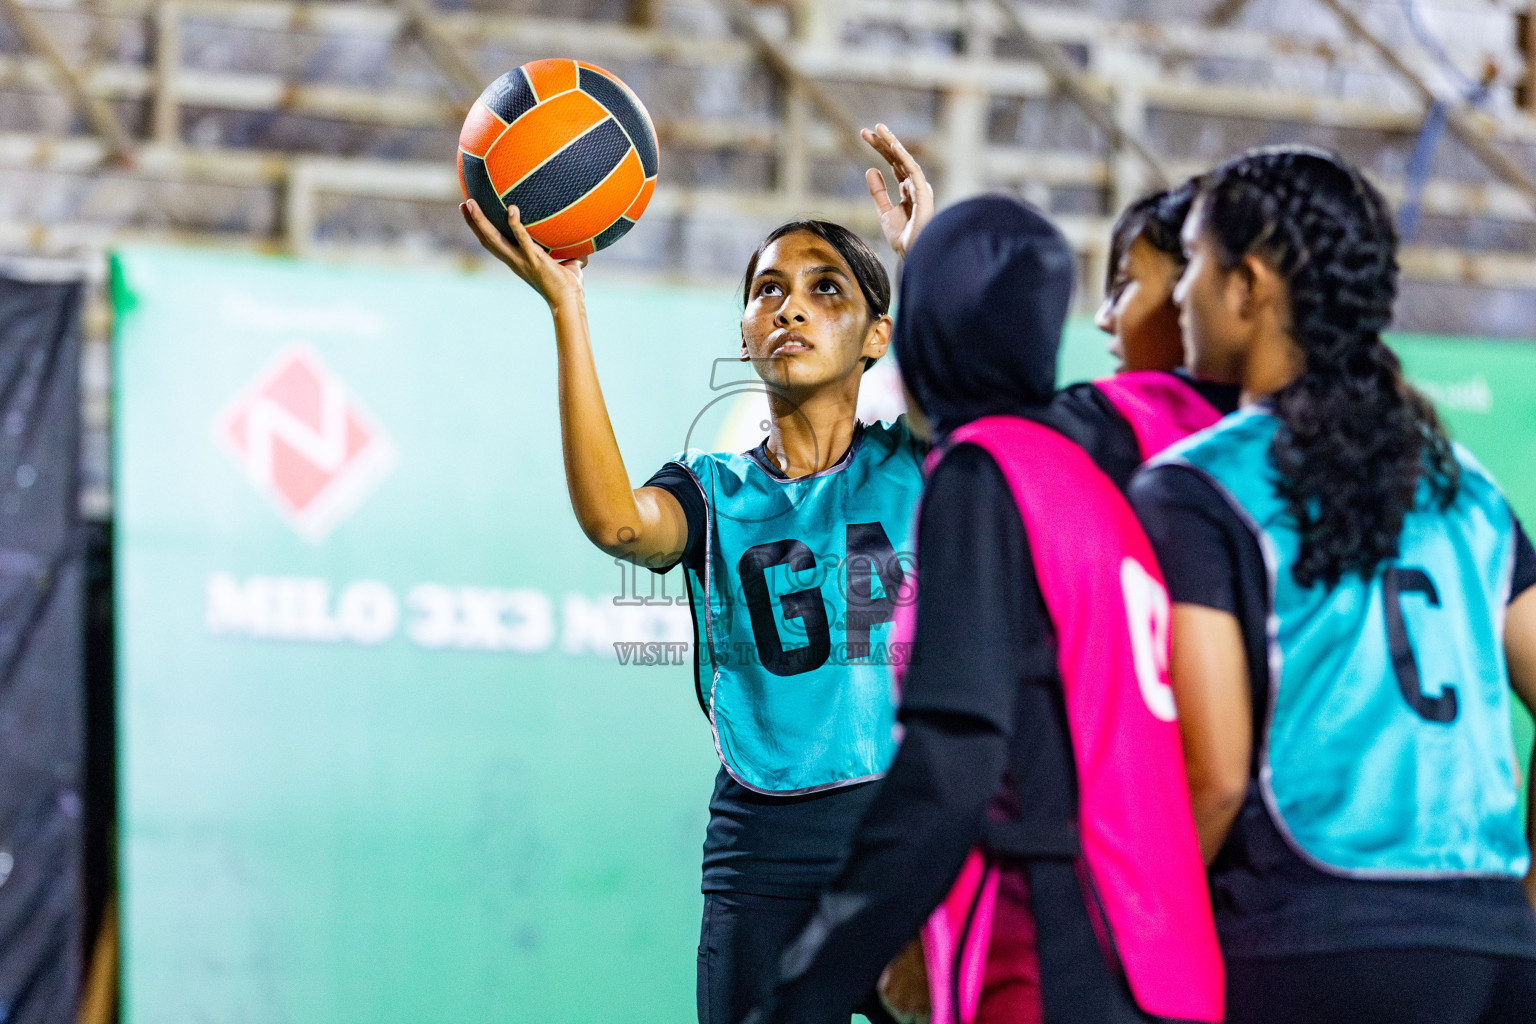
x=1160, y=408
x=1105, y=596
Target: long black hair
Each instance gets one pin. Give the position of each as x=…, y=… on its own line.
x=1158, y=218
x=1355, y=440
x=867, y=269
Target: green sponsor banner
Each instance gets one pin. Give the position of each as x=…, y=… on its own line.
x=380, y=761
x=397, y=744
x=1486, y=392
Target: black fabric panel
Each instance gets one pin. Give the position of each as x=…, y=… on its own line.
x=908, y=849
x=978, y=580
x=1382, y=986
x=1525, y=562
x=622, y=107
x=742, y=937
x=571, y=173
x=779, y=846
x=1080, y=981
x=679, y=483
x=510, y=96
x=1087, y=417
x=42, y=714
x=617, y=230
x=100, y=767
x=477, y=180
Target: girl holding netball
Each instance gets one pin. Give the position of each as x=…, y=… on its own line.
x=1353, y=600
x=791, y=556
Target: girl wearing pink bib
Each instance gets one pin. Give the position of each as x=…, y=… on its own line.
x=1038, y=798
x=1151, y=401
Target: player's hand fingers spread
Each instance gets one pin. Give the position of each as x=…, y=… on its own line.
x=880, y=144
x=477, y=219
x=907, y=167
x=480, y=226
x=493, y=241
x=537, y=257
x=525, y=242
x=554, y=279
x=877, y=190
x=897, y=147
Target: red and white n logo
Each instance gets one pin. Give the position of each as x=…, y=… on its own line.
x=304, y=441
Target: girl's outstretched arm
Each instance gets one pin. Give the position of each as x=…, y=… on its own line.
x=645, y=524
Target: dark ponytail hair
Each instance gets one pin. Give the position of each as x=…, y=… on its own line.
x=867, y=269
x=1355, y=439
x=1158, y=218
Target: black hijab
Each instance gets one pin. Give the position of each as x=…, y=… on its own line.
x=984, y=296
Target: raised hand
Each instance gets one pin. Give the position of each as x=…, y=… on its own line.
x=902, y=221
x=557, y=281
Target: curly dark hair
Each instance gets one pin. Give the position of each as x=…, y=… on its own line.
x=1158, y=218
x=1355, y=439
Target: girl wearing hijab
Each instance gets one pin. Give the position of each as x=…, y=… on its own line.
x=791, y=552
x=1353, y=599
x=1121, y=421
x=1039, y=767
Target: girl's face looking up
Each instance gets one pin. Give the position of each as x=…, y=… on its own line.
x=1139, y=310
x=806, y=322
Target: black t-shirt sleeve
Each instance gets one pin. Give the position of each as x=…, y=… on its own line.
x=1086, y=415
x=1525, y=562
x=1191, y=528
x=679, y=483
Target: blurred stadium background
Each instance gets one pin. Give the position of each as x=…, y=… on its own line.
x=471, y=809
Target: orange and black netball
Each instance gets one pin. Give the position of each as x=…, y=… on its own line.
x=569, y=145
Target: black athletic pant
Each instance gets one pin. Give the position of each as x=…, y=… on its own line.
x=739, y=947
x=1382, y=986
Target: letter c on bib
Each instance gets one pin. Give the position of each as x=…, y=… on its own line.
x=1146, y=614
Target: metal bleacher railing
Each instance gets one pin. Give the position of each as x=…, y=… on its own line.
x=946, y=73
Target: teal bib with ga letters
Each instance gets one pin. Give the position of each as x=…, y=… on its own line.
x=801, y=578
x=1388, y=751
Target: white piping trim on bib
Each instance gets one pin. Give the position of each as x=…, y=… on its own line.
x=709, y=634
x=1276, y=663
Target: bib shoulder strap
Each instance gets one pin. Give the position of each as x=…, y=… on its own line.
x=1235, y=457
x=1161, y=408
